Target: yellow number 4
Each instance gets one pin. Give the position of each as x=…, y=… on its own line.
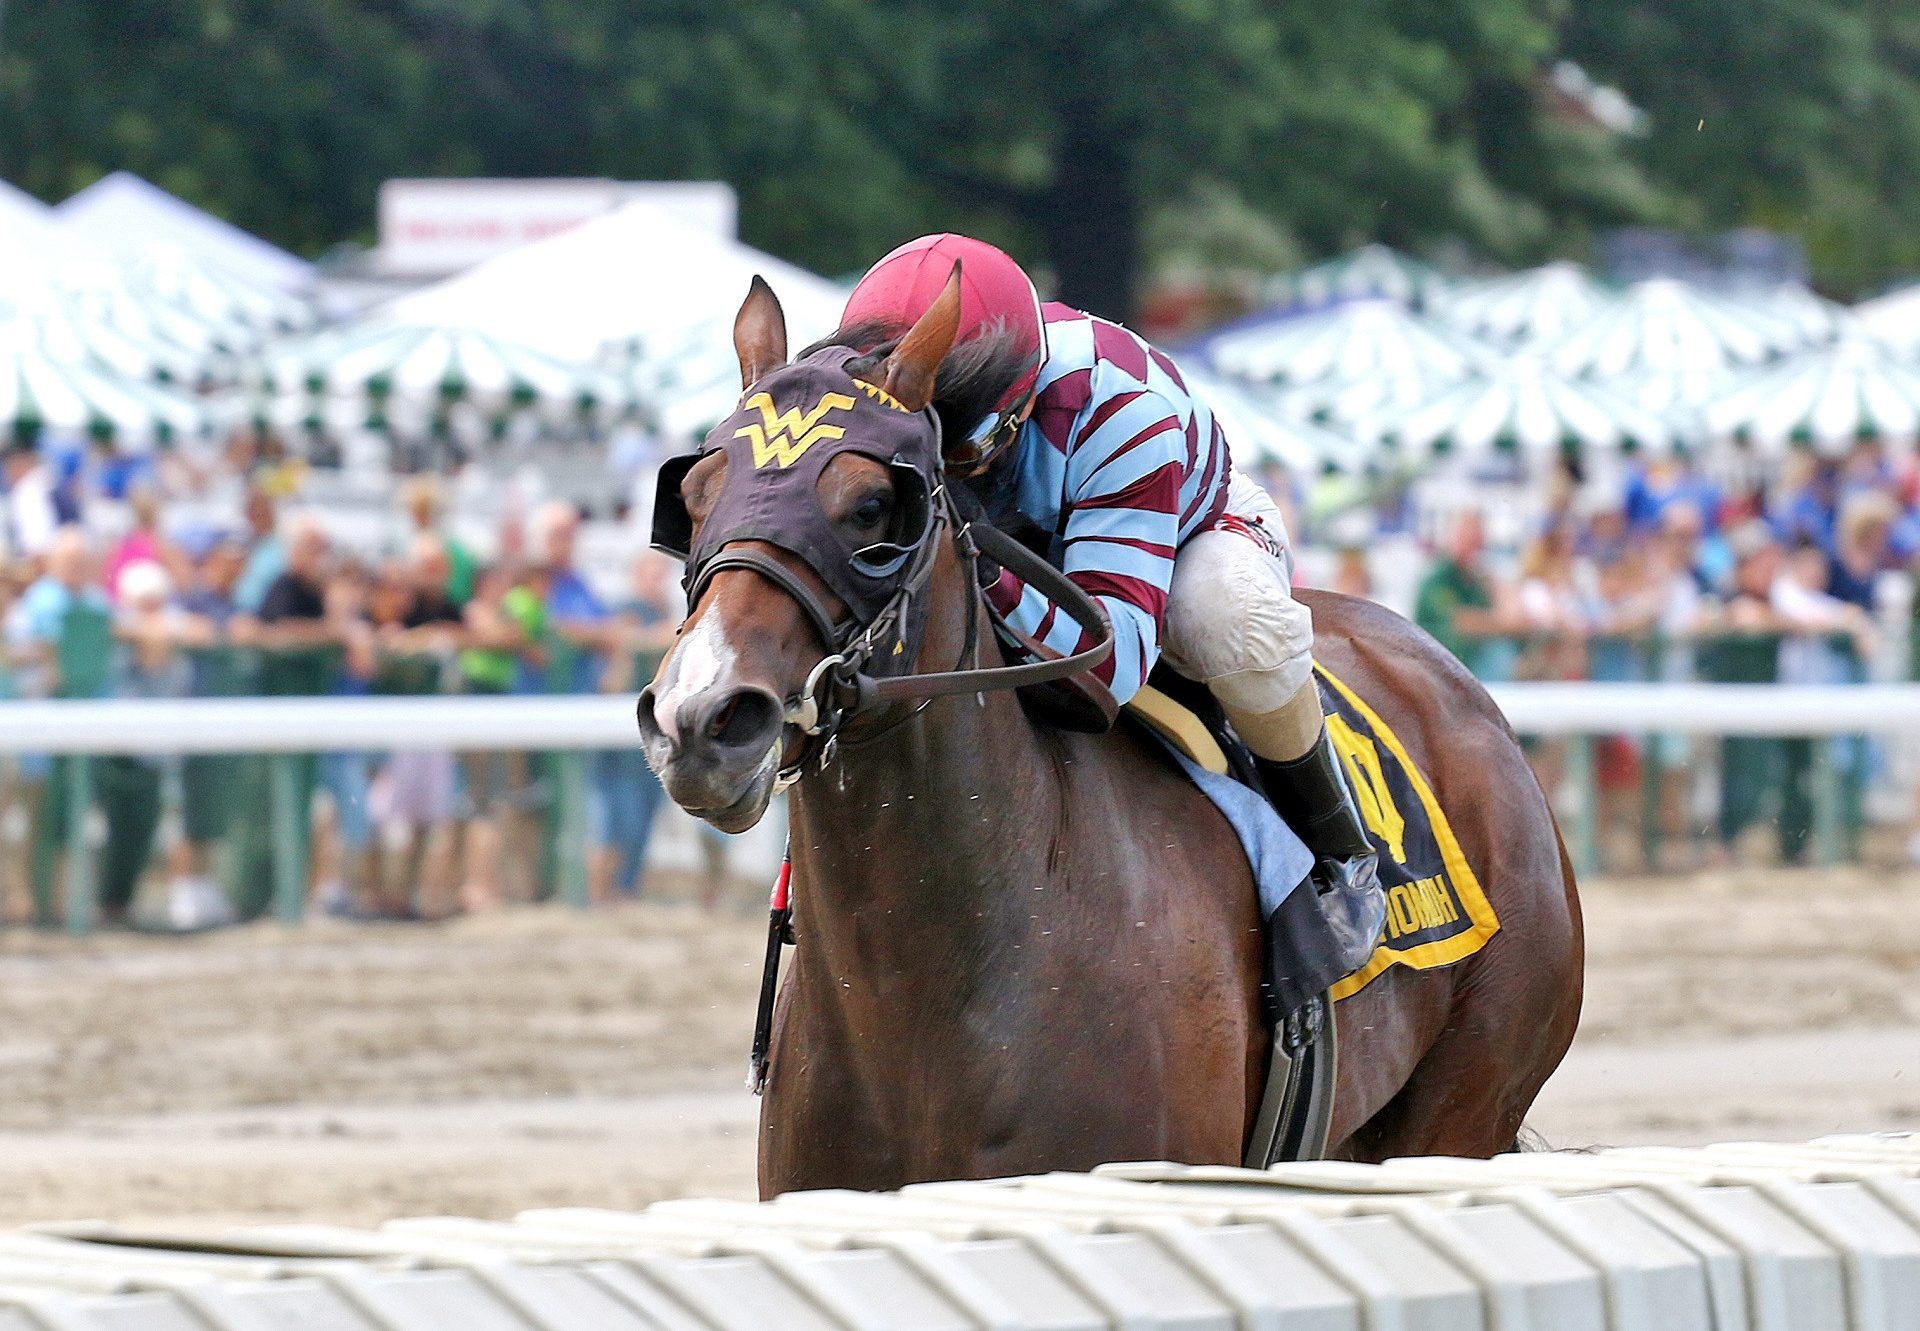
x=1362, y=760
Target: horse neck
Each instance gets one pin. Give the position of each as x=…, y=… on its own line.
x=923, y=822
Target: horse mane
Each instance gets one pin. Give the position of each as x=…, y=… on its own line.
x=972, y=379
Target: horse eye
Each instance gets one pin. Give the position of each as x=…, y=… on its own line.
x=871, y=511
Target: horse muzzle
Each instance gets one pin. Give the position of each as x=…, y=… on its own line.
x=715, y=751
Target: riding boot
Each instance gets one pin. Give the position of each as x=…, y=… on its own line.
x=1311, y=793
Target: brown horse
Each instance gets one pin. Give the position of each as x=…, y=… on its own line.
x=1026, y=950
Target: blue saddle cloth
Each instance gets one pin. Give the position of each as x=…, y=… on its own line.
x=1279, y=859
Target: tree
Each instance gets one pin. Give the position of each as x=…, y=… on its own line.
x=1798, y=115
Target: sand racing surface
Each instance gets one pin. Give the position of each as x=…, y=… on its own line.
x=538, y=1058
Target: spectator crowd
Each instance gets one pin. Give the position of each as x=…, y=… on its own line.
x=107, y=597
x=119, y=579
x=1796, y=579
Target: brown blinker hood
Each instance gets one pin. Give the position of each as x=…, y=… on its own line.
x=789, y=426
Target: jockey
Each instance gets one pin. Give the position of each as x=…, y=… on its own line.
x=1098, y=440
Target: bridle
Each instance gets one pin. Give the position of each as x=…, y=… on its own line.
x=770, y=504
x=843, y=684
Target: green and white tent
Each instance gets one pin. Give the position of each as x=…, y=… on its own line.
x=1372, y=271
x=1349, y=361
x=40, y=393
x=1260, y=431
x=68, y=334
x=1527, y=309
x=1343, y=345
x=213, y=351
x=1664, y=323
x=1893, y=319
x=168, y=275
x=1520, y=406
x=1826, y=399
x=403, y=368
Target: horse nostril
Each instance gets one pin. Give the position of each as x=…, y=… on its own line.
x=747, y=717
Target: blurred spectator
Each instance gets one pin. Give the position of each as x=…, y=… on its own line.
x=644, y=630
x=302, y=644
x=63, y=628
x=144, y=543
x=30, y=514
x=419, y=631
x=1662, y=483
x=1863, y=547
x=1748, y=653
x=423, y=512
x=1827, y=638
x=1805, y=502
x=505, y=623
x=1455, y=602
x=152, y=630
x=210, y=783
x=266, y=551
x=1684, y=609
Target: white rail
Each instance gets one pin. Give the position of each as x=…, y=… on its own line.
x=318, y=725
x=605, y=721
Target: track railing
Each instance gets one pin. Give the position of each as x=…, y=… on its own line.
x=572, y=725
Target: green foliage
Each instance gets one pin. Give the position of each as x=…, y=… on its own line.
x=1089, y=135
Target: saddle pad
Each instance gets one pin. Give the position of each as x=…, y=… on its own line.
x=1436, y=911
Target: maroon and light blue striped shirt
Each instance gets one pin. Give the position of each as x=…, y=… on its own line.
x=1123, y=464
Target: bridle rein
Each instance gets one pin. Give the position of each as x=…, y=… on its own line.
x=867, y=666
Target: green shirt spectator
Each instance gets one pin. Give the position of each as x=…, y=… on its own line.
x=1448, y=589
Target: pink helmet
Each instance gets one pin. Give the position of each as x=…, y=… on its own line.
x=994, y=293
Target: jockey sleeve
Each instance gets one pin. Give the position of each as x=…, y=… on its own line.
x=1123, y=464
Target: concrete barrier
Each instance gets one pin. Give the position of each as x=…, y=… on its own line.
x=1775, y=1238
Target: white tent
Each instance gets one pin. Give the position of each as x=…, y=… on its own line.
x=640, y=272
x=33, y=245
x=125, y=215
x=1894, y=319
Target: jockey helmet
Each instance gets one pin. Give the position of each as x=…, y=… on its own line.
x=995, y=295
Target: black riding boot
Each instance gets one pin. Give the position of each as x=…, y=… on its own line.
x=1311, y=793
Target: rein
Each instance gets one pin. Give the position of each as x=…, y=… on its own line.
x=840, y=686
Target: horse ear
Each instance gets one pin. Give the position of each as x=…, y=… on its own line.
x=759, y=333
x=910, y=371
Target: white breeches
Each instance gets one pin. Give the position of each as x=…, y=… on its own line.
x=1231, y=620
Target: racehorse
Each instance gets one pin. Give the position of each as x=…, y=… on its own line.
x=1023, y=949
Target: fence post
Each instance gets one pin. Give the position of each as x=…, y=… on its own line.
x=1824, y=777
x=289, y=873
x=570, y=850
x=1586, y=812
x=80, y=885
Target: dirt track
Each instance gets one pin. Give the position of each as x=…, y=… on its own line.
x=483, y=1066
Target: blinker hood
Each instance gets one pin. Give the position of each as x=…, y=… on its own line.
x=788, y=428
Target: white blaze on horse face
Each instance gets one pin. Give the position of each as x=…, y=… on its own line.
x=703, y=659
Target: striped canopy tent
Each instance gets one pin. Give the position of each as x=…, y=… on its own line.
x=218, y=297
x=1893, y=319
x=214, y=350
x=1811, y=318
x=1826, y=399
x=1668, y=324
x=1370, y=272
x=42, y=394
x=403, y=368
x=1259, y=431
x=1531, y=308
x=1521, y=406
x=67, y=333
x=1346, y=362
x=686, y=380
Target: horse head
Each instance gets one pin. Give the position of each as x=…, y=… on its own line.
x=808, y=525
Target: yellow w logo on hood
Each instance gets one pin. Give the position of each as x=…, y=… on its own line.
x=780, y=438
